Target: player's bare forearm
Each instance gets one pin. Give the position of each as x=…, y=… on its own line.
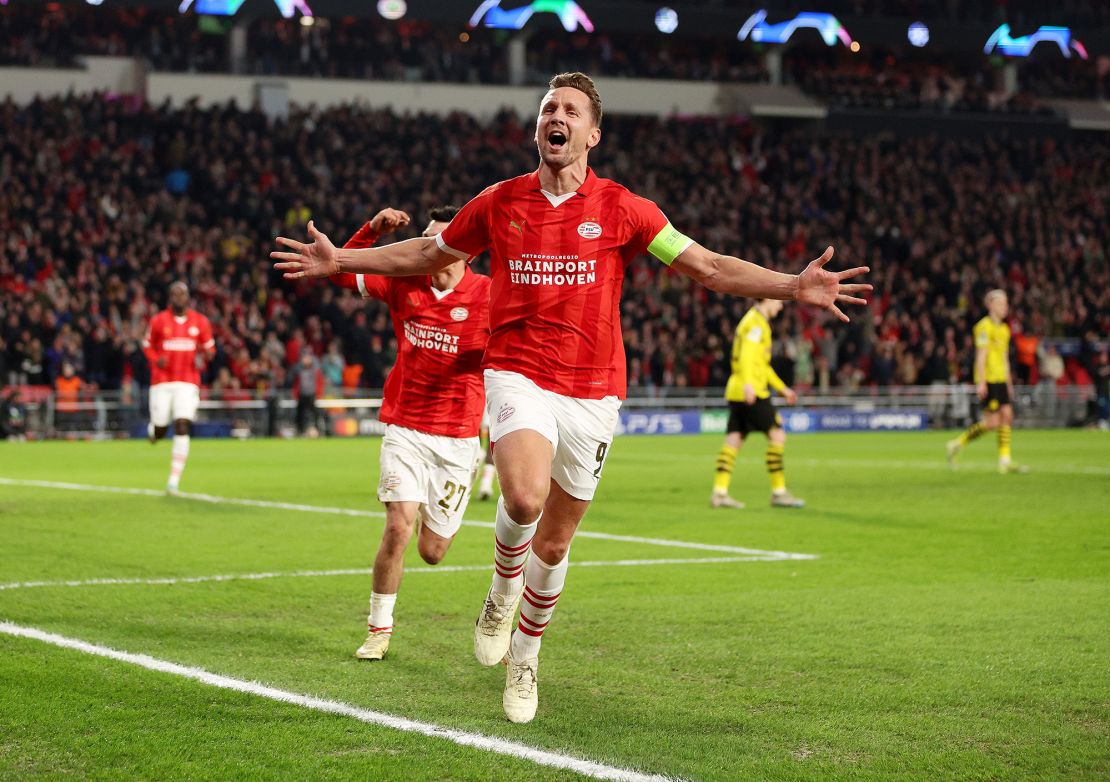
x=320, y=258
x=737, y=277
x=400, y=259
x=815, y=285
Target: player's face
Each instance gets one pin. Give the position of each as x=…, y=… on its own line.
x=1000, y=307
x=772, y=307
x=565, y=128
x=179, y=298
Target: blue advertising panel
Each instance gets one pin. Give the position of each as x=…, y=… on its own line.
x=794, y=420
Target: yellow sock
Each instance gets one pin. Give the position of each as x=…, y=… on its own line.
x=1005, y=436
x=726, y=460
x=973, y=432
x=775, y=466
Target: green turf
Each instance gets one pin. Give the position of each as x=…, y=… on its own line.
x=955, y=625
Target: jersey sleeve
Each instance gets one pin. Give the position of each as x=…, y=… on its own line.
x=369, y=286
x=773, y=379
x=152, y=344
x=652, y=231
x=468, y=235
x=206, y=341
x=982, y=336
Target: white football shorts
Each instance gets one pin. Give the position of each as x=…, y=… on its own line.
x=433, y=470
x=579, y=430
x=171, y=401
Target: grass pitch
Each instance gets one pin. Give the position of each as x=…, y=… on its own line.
x=953, y=625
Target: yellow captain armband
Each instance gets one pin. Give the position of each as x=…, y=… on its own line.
x=668, y=244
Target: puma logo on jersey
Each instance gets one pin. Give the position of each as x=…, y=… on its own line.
x=519, y=226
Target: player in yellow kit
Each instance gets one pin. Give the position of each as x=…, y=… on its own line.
x=993, y=383
x=750, y=409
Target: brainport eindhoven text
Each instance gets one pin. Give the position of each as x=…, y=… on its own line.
x=536, y=269
x=431, y=337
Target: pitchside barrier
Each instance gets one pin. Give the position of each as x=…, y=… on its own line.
x=107, y=415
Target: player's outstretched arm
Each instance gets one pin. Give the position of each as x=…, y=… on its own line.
x=321, y=258
x=815, y=285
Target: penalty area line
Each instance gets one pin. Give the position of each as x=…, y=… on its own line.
x=478, y=741
x=292, y=506
x=224, y=577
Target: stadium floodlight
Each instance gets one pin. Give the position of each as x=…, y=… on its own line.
x=491, y=14
x=1023, y=45
x=829, y=27
x=666, y=20
x=392, y=9
x=288, y=8
x=918, y=34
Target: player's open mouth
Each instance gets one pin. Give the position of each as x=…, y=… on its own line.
x=556, y=139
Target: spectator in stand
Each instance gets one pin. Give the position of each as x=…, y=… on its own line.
x=67, y=393
x=308, y=385
x=1051, y=369
x=1101, y=377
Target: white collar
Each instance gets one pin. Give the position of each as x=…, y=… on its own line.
x=441, y=295
x=558, y=200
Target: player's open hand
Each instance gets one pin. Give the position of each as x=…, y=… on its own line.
x=389, y=220
x=318, y=259
x=790, y=396
x=824, y=289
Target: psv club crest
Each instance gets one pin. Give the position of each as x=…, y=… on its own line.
x=589, y=230
x=460, y=313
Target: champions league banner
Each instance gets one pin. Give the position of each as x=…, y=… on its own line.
x=795, y=421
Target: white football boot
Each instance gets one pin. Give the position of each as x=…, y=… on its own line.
x=375, y=646
x=522, y=692
x=493, y=632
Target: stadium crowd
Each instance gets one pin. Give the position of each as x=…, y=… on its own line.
x=103, y=204
x=372, y=48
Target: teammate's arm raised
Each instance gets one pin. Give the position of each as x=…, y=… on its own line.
x=815, y=285
x=321, y=258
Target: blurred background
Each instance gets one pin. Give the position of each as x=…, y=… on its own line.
x=953, y=146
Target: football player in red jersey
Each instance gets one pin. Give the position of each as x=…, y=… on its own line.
x=175, y=336
x=432, y=408
x=559, y=239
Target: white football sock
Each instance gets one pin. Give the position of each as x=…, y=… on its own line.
x=543, y=583
x=510, y=551
x=381, y=612
x=488, y=472
x=179, y=454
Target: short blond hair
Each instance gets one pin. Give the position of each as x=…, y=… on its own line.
x=994, y=295
x=583, y=83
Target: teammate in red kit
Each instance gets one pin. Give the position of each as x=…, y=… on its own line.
x=175, y=336
x=559, y=239
x=432, y=408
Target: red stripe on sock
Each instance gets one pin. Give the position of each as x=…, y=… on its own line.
x=509, y=550
x=526, y=631
x=529, y=592
x=539, y=606
x=537, y=625
x=507, y=573
x=373, y=629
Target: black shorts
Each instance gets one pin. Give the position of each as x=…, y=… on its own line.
x=998, y=394
x=745, y=418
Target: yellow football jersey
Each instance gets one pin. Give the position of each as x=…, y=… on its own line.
x=995, y=338
x=751, y=358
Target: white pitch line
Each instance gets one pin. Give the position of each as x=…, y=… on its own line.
x=377, y=514
x=171, y=580
x=493, y=744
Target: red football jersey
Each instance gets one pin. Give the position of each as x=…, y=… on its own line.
x=436, y=385
x=557, y=272
x=177, y=340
